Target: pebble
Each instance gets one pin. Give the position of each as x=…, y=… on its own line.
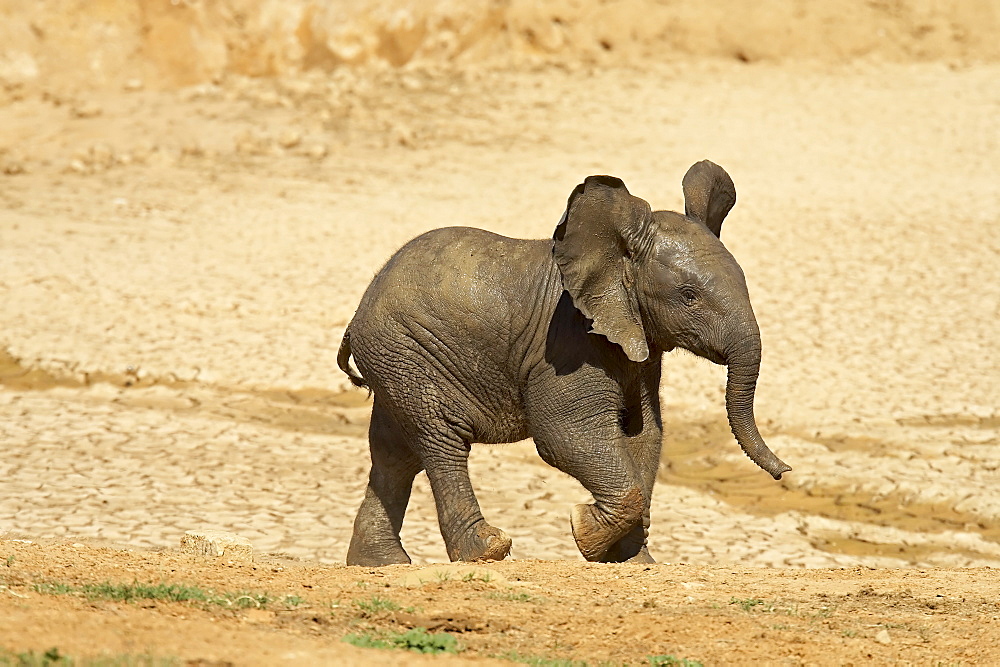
x=86, y=109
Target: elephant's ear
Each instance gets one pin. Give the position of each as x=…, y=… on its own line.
x=602, y=230
x=709, y=194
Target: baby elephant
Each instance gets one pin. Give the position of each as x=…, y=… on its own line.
x=466, y=336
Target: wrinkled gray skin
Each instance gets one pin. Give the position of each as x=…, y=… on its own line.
x=466, y=336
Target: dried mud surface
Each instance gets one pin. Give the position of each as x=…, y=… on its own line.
x=177, y=267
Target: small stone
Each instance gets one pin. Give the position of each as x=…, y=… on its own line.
x=217, y=543
x=102, y=156
x=882, y=637
x=403, y=135
x=193, y=149
x=317, y=151
x=133, y=84
x=290, y=139
x=87, y=109
x=13, y=167
x=269, y=98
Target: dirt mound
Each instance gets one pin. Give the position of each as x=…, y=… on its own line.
x=179, y=42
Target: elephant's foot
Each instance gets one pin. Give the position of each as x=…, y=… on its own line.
x=372, y=553
x=625, y=551
x=484, y=543
x=642, y=557
x=630, y=549
x=596, y=531
x=617, y=554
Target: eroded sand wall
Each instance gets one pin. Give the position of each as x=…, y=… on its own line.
x=80, y=43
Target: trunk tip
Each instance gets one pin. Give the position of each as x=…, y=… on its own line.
x=780, y=470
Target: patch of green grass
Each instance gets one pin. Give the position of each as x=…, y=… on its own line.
x=10, y=560
x=55, y=658
x=33, y=659
x=137, y=591
x=375, y=605
x=416, y=639
x=540, y=661
x=848, y=633
x=786, y=608
x=131, y=661
x=164, y=592
x=824, y=612
x=475, y=575
x=513, y=596
x=661, y=660
x=748, y=603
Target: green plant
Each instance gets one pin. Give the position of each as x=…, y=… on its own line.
x=540, y=661
x=416, y=639
x=375, y=605
x=824, y=612
x=164, y=592
x=748, y=603
x=54, y=657
x=513, y=596
x=31, y=659
x=659, y=660
x=53, y=588
x=137, y=591
x=10, y=560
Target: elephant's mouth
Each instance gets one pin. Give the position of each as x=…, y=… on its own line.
x=712, y=355
x=715, y=357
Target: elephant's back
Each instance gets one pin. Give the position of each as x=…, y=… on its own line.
x=459, y=276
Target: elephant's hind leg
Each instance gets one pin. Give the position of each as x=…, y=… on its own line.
x=394, y=465
x=467, y=535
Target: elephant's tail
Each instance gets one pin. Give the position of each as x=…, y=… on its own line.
x=344, y=361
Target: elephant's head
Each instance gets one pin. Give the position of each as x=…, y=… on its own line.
x=656, y=280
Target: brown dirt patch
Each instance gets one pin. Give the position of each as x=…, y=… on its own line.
x=556, y=611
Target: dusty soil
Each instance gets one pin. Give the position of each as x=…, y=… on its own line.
x=178, y=264
x=510, y=610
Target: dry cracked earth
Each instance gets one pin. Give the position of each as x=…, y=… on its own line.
x=177, y=269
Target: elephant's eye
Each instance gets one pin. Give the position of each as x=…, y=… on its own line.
x=689, y=295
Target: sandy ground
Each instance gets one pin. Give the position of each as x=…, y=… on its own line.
x=177, y=268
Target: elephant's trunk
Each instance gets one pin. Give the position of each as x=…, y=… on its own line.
x=744, y=365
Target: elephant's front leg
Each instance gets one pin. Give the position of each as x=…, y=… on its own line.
x=600, y=464
x=643, y=447
x=610, y=442
x=645, y=452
